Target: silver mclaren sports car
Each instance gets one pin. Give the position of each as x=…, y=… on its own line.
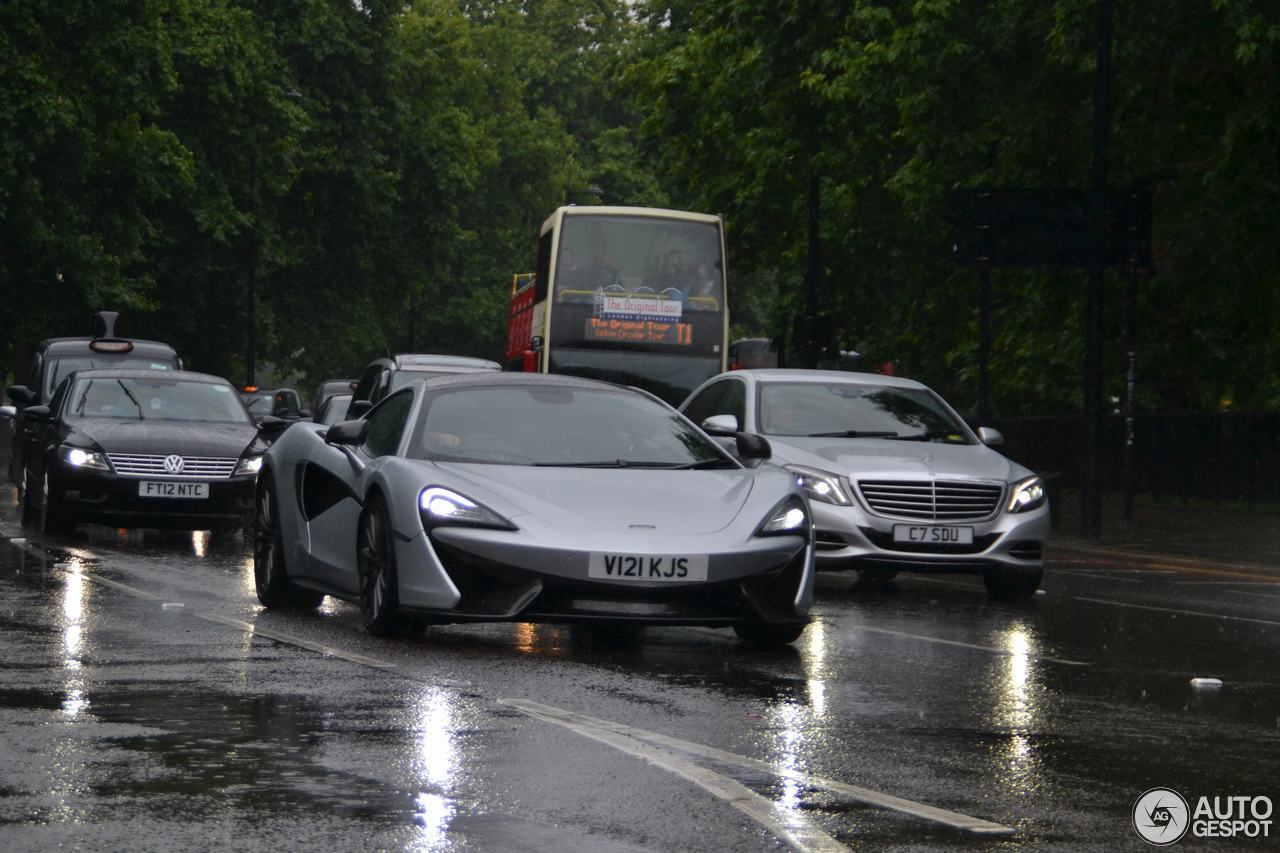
x=525, y=497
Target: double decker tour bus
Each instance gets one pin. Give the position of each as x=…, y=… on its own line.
x=632, y=295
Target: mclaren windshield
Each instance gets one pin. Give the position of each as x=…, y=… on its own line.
x=558, y=426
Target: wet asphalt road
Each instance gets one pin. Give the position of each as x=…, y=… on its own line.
x=146, y=702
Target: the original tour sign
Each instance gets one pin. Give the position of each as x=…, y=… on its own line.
x=628, y=319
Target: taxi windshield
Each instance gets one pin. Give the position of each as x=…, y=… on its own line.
x=560, y=427
x=64, y=367
x=133, y=399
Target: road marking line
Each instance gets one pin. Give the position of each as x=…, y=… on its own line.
x=125, y=588
x=798, y=831
x=1275, y=583
x=1253, y=592
x=994, y=649
x=1109, y=577
x=942, y=582
x=1177, y=611
x=1188, y=565
x=328, y=651
x=591, y=727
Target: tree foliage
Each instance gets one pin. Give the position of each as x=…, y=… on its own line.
x=369, y=175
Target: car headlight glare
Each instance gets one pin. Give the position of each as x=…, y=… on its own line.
x=1027, y=495
x=443, y=506
x=249, y=465
x=821, y=485
x=789, y=518
x=78, y=457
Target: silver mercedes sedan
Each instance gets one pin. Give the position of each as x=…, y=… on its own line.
x=896, y=479
x=522, y=497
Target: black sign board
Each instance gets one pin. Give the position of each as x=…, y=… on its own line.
x=1036, y=228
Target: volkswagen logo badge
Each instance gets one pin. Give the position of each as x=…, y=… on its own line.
x=174, y=464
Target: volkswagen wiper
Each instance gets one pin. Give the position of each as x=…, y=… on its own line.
x=855, y=433
x=134, y=399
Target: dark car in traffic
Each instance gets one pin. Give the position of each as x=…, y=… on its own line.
x=141, y=448
x=56, y=358
x=334, y=410
x=283, y=403
x=384, y=375
x=328, y=389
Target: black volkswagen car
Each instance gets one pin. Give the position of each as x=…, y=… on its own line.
x=141, y=448
x=57, y=358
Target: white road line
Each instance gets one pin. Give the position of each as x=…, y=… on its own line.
x=128, y=590
x=1253, y=592
x=993, y=649
x=797, y=830
x=942, y=582
x=1178, y=612
x=1172, y=559
x=1100, y=575
x=593, y=727
x=328, y=651
x=1274, y=584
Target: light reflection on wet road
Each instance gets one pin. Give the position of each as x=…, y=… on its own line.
x=123, y=719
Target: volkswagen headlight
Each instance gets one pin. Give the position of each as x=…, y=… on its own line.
x=821, y=485
x=78, y=457
x=441, y=506
x=1027, y=495
x=249, y=465
x=789, y=518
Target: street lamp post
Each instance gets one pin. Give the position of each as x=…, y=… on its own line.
x=251, y=302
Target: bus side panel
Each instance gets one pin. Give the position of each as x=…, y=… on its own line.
x=520, y=321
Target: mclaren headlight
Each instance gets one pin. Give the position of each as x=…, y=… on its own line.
x=248, y=465
x=78, y=457
x=441, y=506
x=789, y=518
x=821, y=485
x=1027, y=495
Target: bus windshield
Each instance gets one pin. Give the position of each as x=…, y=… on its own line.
x=638, y=300
x=642, y=257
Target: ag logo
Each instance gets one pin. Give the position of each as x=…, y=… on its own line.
x=174, y=464
x=1161, y=816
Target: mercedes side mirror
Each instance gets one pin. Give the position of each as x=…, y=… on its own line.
x=38, y=413
x=725, y=425
x=990, y=437
x=357, y=408
x=347, y=433
x=8, y=412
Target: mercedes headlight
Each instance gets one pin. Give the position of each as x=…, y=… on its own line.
x=78, y=457
x=443, y=506
x=789, y=518
x=821, y=485
x=249, y=465
x=1027, y=495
